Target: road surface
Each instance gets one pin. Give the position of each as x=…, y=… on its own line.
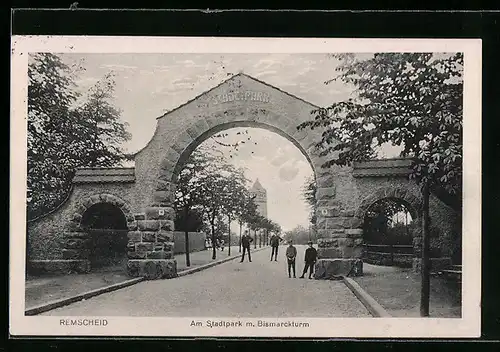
x=233, y=289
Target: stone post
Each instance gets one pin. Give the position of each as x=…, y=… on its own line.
x=151, y=238
x=340, y=243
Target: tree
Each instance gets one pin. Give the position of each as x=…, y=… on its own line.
x=103, y=127
x=189, y=185
x=309, y=194
x=59, y=132
x=413, y=100
x=54, y=149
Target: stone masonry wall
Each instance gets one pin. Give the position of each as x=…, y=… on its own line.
x=47, y=235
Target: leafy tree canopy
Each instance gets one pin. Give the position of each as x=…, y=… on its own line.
x=411, y=100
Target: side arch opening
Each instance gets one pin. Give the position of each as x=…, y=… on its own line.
x=106, y=225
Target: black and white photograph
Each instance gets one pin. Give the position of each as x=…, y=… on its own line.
x=260, y=189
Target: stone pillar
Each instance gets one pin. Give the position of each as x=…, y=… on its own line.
x=150, y=247
x=340, y=243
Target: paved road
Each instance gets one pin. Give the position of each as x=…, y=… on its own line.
x=233, y=289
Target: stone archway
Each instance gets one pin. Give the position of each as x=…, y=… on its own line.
x=412, y=203
x=77, y=240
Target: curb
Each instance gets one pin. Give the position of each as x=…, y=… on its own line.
x=209, y=265
x=368, y=301
x=89, y=294
x=65, y=301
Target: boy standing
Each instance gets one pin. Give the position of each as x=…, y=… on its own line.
x=291, y=254
x=310, y=259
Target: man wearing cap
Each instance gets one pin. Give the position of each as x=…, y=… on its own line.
x=275, y=242
x=310, y=259
x=291, y=254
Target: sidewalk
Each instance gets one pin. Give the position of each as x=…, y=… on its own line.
x=44, y=289
x=397, y=290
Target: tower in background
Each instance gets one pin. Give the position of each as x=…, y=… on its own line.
x=260, y=199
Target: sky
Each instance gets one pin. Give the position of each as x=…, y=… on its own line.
x=149, y=85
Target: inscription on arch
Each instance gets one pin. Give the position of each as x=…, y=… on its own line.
x=247, y=95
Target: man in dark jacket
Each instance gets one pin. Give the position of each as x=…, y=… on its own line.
x=246, y=239
x=275, y=242
x=291, y=254
x=310, y=260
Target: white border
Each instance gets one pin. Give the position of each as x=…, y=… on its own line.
x=467, y=326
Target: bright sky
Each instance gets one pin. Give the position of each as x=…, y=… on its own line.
x=148, y=85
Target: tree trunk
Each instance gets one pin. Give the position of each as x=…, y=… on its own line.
x=254, y=239
x=186, y=235
x=214, y=255
x=425, y=267
x=229, y=237
x=239, y=246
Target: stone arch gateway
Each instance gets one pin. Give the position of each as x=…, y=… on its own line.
x=148, y=189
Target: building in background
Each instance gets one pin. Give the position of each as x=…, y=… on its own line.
x=260, y=194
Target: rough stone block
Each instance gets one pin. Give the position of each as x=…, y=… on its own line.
x=148, y=225
x=132, y=226
x=134, y=236
x=148, y=236
x=353, y=233
x=163, y=197
x=330, y=233
x=352, y=252
x=140, y=216
x=160, y=255
x=152, y=269
x=325, y=193
x=356, y=222
x=171, y=155
x=131, y=246
x=164, y=236
x=328, y=242
x=77, y=218
x=339, y=222
x=168, y=246
x=159, y=247
x=348, y=213
x=144, y=246
x=325, y=181
x=358, y=241
x=328, y=212
x=331, y=252
x=153, y=213
x=167, y=225
x=137, y=255
x=332, y=269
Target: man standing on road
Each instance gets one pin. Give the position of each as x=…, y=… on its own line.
x=291, y=254
x=275, y=242
x=310, y=260
x=246, y=239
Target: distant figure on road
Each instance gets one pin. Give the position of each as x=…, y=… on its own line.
x=310, y=260
x=275, y=242
x=222, y=245
x=291, y=254
x=246, y=239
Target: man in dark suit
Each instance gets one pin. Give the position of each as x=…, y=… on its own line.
x=310, y=259
x=246, y=239
x=275, y=242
